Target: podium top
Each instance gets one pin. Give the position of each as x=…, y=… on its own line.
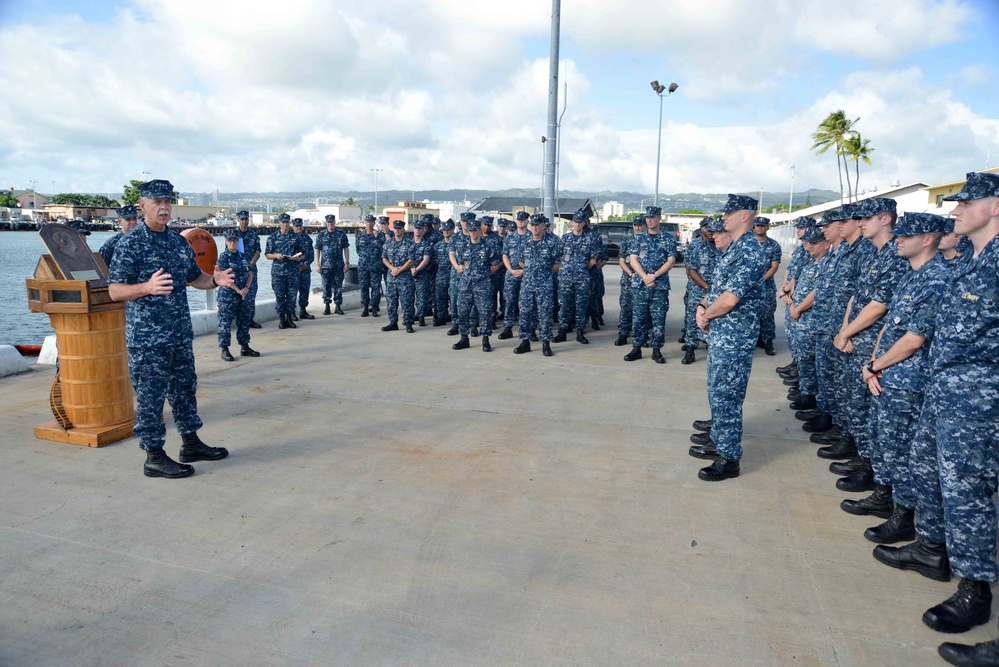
x=72, y=258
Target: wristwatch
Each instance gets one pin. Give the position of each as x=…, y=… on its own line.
x=870, y=368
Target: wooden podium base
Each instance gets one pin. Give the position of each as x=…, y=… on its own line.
x=86, y=437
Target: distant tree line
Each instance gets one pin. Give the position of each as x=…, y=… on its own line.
x=74, y=199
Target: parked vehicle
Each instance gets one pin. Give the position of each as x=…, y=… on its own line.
x=613, y=233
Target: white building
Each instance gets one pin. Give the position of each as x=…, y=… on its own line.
x=449, y=209
x=611, y=208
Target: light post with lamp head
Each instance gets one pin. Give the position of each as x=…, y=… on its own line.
x=659, y=90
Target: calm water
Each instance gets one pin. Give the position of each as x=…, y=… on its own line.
x=19, y=253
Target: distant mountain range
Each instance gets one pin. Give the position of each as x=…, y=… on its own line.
x=632, y=201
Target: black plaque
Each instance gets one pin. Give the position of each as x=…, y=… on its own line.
x=72, y=255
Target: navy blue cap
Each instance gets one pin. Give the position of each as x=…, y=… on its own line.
x=740, y=203
x=298, y=222
x=504, y=223
x=428, y=218
x=448, y=225
x=80, y=226
x=804, y=221
x=696, y=234
x=716, y=225
x=156, y=189
x=420, y=224
x=977, y=186
x=874, y=206
x=704, y=222
x=399, y=224
x=539, y=219
x=383, y=220
x=829, y=217
x=473, y=225
x=369, y=218
x=284, y=217
x=579, y=216
x=653, y=211
x=243, y=215
x=467, y=216
x=330, y=218
x=911, y=224
x=761, y=222
x=638, y=220
x=487, y=220
x=813, y=235
x=128, y=212
x=523, y=215
x=231, y=234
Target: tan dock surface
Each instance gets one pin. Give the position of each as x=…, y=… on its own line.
x=389, y=501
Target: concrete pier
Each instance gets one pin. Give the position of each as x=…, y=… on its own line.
x=389, y=501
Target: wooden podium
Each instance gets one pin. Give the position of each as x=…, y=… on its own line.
x=92, y=398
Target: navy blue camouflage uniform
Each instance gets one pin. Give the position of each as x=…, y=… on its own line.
x=284, y=272
x=305, y=270
x=158, y=332
x=574, y=279
x=422, y=284
x=249, y=245
x=474, y=284
x=331, y=246
x=805, y=282
x=513, y=249
x=537, y=302
x=232, y=307
x=442, y=283
x=369, y=267
x=400, y=291
x=768, y=328
x=651, y=304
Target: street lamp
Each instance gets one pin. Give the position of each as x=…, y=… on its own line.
x=376, y=188
x=790, y=203
x=34, y=196
x=659, y=90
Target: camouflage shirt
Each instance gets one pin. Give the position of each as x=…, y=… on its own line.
x=878, y=278
x=241, y=269
x=249, y=242
x=513, y=247
x=740, y=271
x=369, y=250
x=653, y=251
x=577, y=251
x=539, y=258
x=773, y=253
x=330, y=246
x=284, y=244
x=156, y=320
x=477, y=258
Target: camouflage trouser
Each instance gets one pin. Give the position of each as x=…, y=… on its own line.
x=400, y=292
x=808, y=377
x=251, y=296
x=894, y=415
x=536, y=306
x=371, y=289
x=768, y=328
x=497, y=284
x=422, y=287
x=159, y=374
x=624, y=303
x=826, y=364
x=574, y=298
x=442, y=298
x=648, y=305
x=333, y=285
x=304, y=286
x=791, y=329
x=953, y=470
x=692, y=335
x=233, y=308
x=729, y=362
x=452, y=292
x=511, y=298
x=555, y=306
x=597, y=290
x=285, y=286
x=475, y=294
x=856, y=406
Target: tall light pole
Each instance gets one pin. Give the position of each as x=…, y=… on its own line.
x=376, y=188
x=790, y=203
x=659, y=90
x=34, y=197
x=548, y=201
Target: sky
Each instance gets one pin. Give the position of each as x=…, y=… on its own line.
x=312, y=95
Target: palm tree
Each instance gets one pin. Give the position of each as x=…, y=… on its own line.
x=831, y=133
x=856, y=148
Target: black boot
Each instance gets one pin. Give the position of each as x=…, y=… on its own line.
x=636, y=353
x=247, y=351
x=192, y=449
x=900, y=527
x=158, y=464
x=844, y=468
x=879, y=503
x=462, y=344
x=580, y=338
x=806, y=402
x=304, y=314
x=365, y=313
x=327, y=311
x=506, y=333
x=486, y=347
x=226, y=355
x=702, y=438
x=971, y=605
x=702, y=425
x=423, y=321
x=409, y=328
x=453, y=331
x=339, y=311
x=768, y=348
x=294, y=317
x=374, y=311
x=657, y=356
x=475, y=332
x=283, y=323
x=985, y=654
x=791, y=366
x=708, y=451
x=255, y=325
x=289, y=322
x=862, y=480
x=830, y=437
x=819, y=425
x=844, y=448
x=546, y=349
x=809, y=414
x=621, y=340
x=391, y=326
x=534, y=336
x=719, y=470
x=560, y=337
x=927, y=558
x=525, y=346
x=688, y=357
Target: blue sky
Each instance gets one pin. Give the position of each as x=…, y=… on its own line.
x=451, y=93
